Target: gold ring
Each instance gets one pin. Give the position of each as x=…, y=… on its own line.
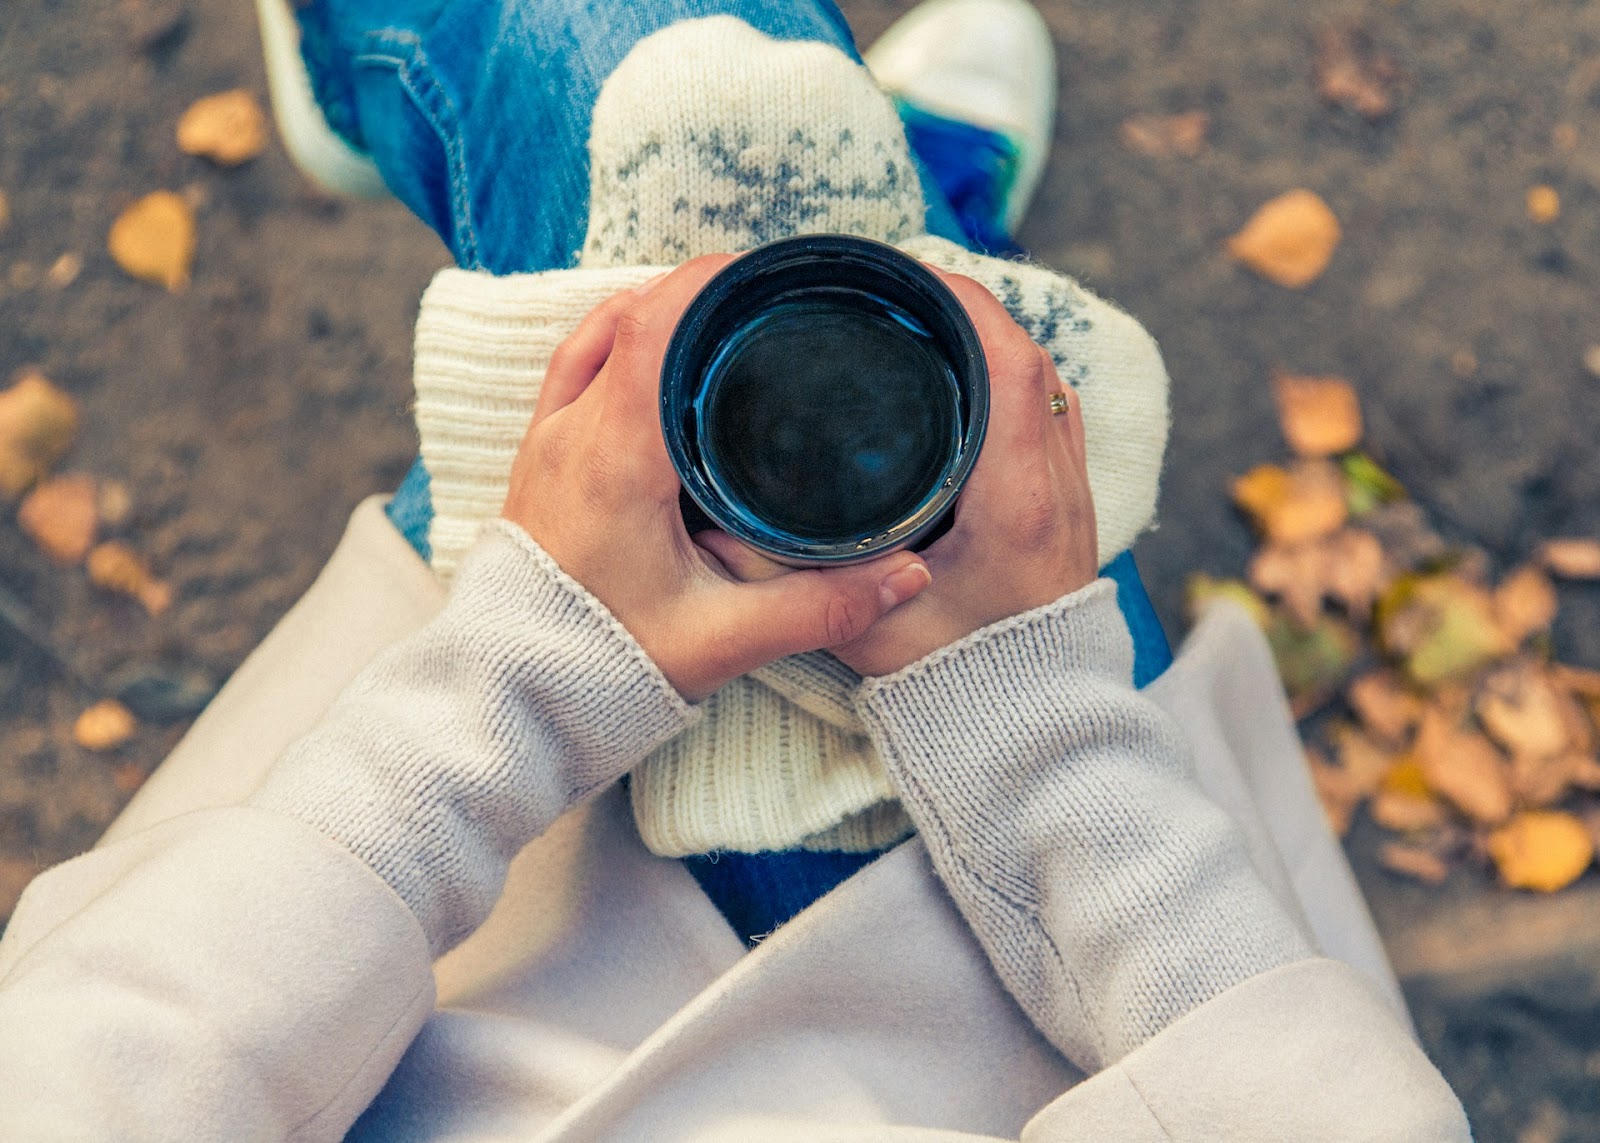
x=1059, y=403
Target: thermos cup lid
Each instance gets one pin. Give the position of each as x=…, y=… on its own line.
x=824, y=399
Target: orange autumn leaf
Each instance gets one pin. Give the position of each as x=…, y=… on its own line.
x=1406, y=813
x=154, y=240
x=1543, y=850
x=104, y=726
x=61, y=516
x=228, y=128
x=1289, y=240
x=1463, y=767
x=1162, y=136
x=1320, y=416
x=37, y=424
x=1294, y=505
x=113, y=566
x=1384, y=705
x=1522, y=711
x=1571, y=557
x=1524, y=604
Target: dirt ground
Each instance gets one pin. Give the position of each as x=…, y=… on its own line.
x=248, y=415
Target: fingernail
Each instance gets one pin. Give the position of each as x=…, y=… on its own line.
x=649, y=284
x=899, y=586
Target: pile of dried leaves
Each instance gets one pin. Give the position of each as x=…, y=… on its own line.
x=1439, y=704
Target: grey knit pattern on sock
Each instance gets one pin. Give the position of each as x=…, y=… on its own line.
x=458, y=746
x=1060, y=809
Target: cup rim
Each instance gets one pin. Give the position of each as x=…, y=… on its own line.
x=677, y=392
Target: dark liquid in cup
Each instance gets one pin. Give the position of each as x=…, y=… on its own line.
x=830, y=418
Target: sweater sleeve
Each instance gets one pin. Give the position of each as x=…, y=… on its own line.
x=454, y=750
x=256, y=971
x=1060, y=810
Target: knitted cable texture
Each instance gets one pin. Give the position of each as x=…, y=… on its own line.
x=458, y=746
x=712, y=137
x=1121, y=898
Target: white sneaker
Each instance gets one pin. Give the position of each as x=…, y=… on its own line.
x=316, y=149
x=989, y=63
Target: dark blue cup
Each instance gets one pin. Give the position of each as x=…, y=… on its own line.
x=824, y=399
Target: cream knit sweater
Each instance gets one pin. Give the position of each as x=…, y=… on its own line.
x=712, y=137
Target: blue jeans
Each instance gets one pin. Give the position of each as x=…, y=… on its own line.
x=477, y=113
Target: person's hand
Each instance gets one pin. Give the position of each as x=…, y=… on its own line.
x=593, y=485
x=1024, y=530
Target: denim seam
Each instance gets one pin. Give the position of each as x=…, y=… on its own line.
x=410, y=61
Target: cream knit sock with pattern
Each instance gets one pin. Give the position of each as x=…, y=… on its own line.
x=712, y=137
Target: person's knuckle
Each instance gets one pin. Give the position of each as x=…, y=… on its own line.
x=842, y=620
x=1036, y=516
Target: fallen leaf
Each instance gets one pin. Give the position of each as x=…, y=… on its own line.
x=1357, y=572
x=1571, y=558
x=1352, y=72
x=1289, y=240
x=5, y=212
x=228, y=128
x=116, y=503
x=1162, y=136
x=1292, y=506
x=1406, y=778
x=128, y=777
x=1367, y=486
x=1320, y=416
x=154, y=240
x=1294, y=575
x=60, y=515
x=1366, y=762
x=1312, y=662
x=114, y=566
x=1544, y=204
x=1577, y=680
x=1463, y=767
x=1544, y=850
x=104, y=726
x=1441, y=627
x=1406, y=813
x=1524, y=604
x=1202, y=591
x=37, y=424
x=1384, y=706
x=1522, y=711
x=64, y=271
x=1413, y=861
x=1543, y=780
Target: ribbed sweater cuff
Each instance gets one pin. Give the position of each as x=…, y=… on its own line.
x=1060, y=809
x=457, y=747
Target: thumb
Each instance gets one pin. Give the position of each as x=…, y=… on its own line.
x=809, y=610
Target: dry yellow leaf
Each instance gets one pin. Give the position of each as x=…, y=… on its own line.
x=104, y=726
x=1413, y=861
x=1442, y=626
x=1522, y=710
x=1524, y=603
x=1544, y=204
x=1295, y=505
x=1405, y=777
x=1320, y=416
x=114, y=566
x=1384, y=706
x=1572, y=557
x=1293, y=574
x=1463, y=767
x=154, y=240
x=61, y=515
x=228, y=128
x=37, y=424
x=1543, y=850
x=1289, y=240
x=1366, y=762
